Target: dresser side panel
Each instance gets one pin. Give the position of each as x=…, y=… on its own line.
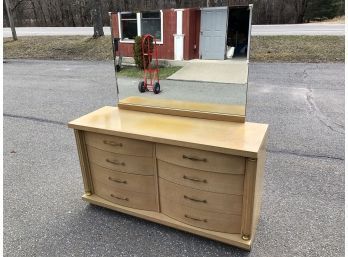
x=253, y=187
x=248, y=197
x=156, y=178
x=84, y=162
x=259, y=183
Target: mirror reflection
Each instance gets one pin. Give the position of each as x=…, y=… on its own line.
x=186, y=59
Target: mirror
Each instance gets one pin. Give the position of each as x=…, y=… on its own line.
x=211, y=46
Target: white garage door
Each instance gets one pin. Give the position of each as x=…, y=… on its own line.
x=213, y=33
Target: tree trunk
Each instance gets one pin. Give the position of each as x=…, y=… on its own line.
x=81, y=9
x=71, y=14
x=42, y=12
x=34, y=12
x=303, y=11
x=97, y=19
x=10, y=19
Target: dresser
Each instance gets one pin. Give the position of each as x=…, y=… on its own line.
x=200, y=176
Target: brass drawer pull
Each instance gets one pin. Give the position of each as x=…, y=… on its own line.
x=119, y=198
x=115, y=162
x=192, y=218
x=118, y=181
x=195, y=200
x=112, y=143
x=195, y=179
x=192, y=158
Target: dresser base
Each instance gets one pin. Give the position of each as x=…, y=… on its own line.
x=231, y=239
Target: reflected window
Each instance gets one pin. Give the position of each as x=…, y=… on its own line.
x=151, y=24
x=129, y=29
x=137, y=24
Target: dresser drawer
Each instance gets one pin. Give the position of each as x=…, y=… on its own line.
x=124, y=197
x=198, y=199
x=214, y=221
x=203, y=180
x=119, y=144
x=124, y=181
x=201, y=160
x=121, y=162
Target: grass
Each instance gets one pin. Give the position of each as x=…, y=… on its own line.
x=59, y=48
x=264, y=49
x=314, y=49
x=134, y=72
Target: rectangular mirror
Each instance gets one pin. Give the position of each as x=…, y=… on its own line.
x=211, y=44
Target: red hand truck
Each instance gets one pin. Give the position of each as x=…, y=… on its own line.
x=151, y=78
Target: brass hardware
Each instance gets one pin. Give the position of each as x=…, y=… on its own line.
x=195, y=200
x=115, y=162
x=252, y=160
x=88, y=193
x=195, y=179
x=112, y=143
x=118, y=181
x=193, y=158
x=192, y=218
x=245, y=237
x=120, y=198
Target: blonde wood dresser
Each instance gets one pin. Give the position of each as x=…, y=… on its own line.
x=200, y=176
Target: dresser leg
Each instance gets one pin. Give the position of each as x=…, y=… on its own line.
x=246, y=237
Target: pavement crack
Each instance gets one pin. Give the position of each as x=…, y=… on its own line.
x=35, y=119
x=326, y=121
x=306, y=155
x=321, y=117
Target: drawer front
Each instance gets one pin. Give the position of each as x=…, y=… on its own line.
x=124, y=181
x=120, y=162
x=214, y=221
x=119, y=144
x=125, y=198
x=201, y=160
x=198, y=199
x=203, y=180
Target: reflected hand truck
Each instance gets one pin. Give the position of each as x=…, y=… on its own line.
x=151, y=78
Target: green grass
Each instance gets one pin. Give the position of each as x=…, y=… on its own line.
x=134, y=72
x=264, y=49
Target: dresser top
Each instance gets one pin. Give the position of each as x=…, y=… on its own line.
x=244, y=139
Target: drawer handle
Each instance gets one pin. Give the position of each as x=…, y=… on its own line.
x=120, y=198
x=118, y=181
x=192, y=158
x=112, y=143
x=192, y=218
x=195, y=179
x=195, y=200
x=115, y=162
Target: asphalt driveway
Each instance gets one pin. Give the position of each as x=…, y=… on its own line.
x=303, y=205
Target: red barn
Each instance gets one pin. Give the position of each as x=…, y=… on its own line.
x=191, y=33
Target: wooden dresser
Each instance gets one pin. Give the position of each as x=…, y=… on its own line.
x=197, y=175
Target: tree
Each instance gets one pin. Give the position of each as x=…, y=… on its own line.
x=300, y=8
x=97, y=19
x=10, y=18
x=323, y=9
